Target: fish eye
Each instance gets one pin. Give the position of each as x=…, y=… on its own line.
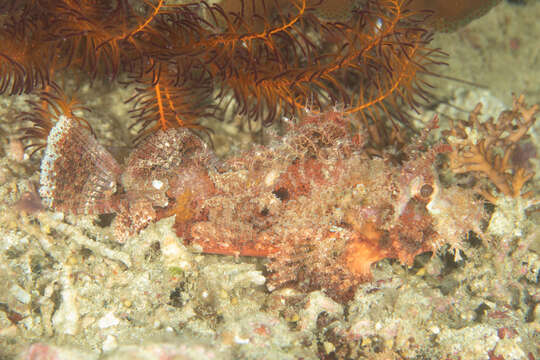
x=426, y=190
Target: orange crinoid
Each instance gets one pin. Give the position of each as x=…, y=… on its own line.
x=264, y=59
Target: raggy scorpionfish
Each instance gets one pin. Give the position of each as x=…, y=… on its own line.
x=314, y=203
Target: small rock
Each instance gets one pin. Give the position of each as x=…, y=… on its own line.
x=108, y=320
x=66, y=318
x=509, y=349
x=20, y=294
x=110, y=343
x=317, y=302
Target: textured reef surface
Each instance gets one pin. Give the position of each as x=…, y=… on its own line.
x=312, y=240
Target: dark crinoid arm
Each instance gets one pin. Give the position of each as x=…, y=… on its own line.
x=260, y=64
x=25, y=58
x=264, y=59
x=45, y=112
x=296, y=59
x=237, y=54
x=171, y=96
x=40, y=39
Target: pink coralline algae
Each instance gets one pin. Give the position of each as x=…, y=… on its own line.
x=313, y=202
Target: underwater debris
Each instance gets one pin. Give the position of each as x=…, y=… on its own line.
x=313, y=202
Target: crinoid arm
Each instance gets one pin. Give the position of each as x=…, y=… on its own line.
x=45, y=112
x=175, y=97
